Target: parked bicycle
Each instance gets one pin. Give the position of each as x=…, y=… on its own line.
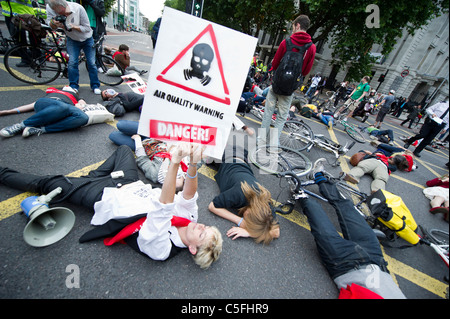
x=299, y=136
x=48, y=62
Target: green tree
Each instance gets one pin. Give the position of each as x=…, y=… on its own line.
x=344, y=23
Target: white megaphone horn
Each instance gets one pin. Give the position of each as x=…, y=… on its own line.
x=46, y=225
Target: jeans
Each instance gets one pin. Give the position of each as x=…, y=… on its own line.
x=389, y=133
x=388, y=150
x=83, y=191
x=359, y=245
x=73, y=49
x=282, y=103
x=327, y=118
x=53, y=115
x=126, y=130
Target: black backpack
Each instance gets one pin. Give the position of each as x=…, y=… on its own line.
x=288, y=75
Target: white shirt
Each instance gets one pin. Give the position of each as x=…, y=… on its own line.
x=157, y=233
x=439, y=109
x=78, y=17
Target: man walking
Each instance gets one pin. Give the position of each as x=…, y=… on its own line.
x=274, y=99
x=79, y=36
x=385, y=107
x=436, y=122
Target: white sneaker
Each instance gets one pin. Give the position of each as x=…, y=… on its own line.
x=70, y=89
x=97, y=91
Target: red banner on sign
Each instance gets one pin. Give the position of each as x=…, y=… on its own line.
x=182, y=132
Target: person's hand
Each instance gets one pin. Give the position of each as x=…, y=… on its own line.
x=136, y=137
x=179, y=152
x=237, y=232
x=196, y=153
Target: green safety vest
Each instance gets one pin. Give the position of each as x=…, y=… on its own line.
x=17, y=7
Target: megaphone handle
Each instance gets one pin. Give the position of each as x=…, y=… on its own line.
x=48, y=198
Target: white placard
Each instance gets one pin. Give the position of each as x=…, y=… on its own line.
x=197, y=76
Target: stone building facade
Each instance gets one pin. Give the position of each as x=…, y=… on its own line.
x=417, y=68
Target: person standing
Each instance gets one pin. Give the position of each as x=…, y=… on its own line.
x=11, y=8
x=95, y=10
x=79, y=37
x=357, y=95
x=385, y=107
x=412, y=116
x=279, y=101
x=314, y=84
x=437, y=121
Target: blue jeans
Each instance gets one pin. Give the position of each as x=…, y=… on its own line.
x=389, y=133
x=126, y=130
x=281, y=103
x=73, y=49
x=55, y=116
x=359, y=245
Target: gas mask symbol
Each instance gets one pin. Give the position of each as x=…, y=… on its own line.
x=202, y=56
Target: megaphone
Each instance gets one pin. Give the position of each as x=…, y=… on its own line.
x=46, y=225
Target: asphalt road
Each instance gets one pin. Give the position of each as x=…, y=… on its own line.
x=287, y=268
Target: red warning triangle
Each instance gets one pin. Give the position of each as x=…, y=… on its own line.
x=163, y=78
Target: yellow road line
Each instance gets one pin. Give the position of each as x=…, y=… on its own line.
x=395, y=267
x=11, y=206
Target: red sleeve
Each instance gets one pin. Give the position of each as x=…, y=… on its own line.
x=437, y=182
x=309, y=60
x=279, y=55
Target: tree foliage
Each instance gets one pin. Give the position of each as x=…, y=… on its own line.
x=341, y=22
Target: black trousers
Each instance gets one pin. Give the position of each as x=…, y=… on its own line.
x=84, y=190
x=428, y=132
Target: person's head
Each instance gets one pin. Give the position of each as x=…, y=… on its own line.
x=258, y=218
x=60, y=7
x=204, y=243
x=108, y=94
x=301, y=23
x=124, y=47
x=391, y=92
x=365, y=79
x=400, y=161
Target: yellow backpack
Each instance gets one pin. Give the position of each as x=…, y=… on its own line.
x=392, y=212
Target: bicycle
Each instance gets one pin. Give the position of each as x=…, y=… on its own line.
x=5, y=43
x=297, y=187
x=299, y=136
x=48, y=62
x=274, y=160
x=438, y=240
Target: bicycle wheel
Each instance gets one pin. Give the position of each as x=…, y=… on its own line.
x=437, y=236
x=110, y=71
x=274, y=160
x=296, y=135
x=353, y=132
x=43, y=68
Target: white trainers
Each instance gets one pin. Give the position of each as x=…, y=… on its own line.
x=70, y=89
x=97, y=91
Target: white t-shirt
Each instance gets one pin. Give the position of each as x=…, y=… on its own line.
x=157, y=233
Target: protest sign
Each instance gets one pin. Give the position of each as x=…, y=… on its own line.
x=135, y=82
x=197, y=76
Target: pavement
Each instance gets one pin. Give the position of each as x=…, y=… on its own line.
x=288, y=268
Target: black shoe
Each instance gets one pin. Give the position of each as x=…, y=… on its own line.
x=406, y=145
x=22, y=65
x=417, y=155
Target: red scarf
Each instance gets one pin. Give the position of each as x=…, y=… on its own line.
x=355, y=291
x=184, y=167
x=136, y=226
